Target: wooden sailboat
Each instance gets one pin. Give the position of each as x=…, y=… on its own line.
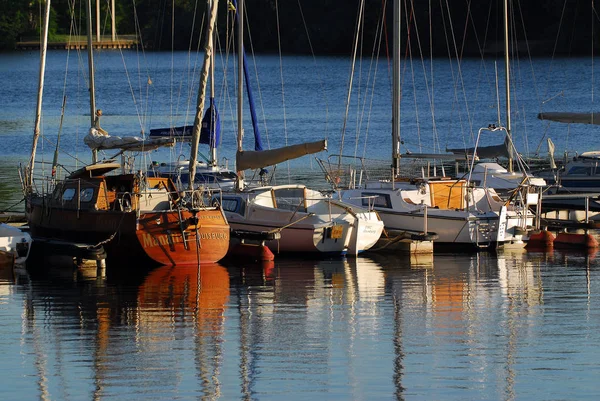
x=133, y=216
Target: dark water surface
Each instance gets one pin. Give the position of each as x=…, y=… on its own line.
x=509, y=326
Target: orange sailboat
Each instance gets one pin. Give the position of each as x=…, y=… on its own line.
x=133, y=216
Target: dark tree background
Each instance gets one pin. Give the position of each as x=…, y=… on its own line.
x=455, y=27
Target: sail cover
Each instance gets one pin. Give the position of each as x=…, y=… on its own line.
x=210, y=132
x=485, y=152
x=569, y=117
x=246, y=160
x=102, y=141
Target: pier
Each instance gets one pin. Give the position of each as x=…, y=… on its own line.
x=80, y=43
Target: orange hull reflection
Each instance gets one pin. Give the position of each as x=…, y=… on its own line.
x=201, y=292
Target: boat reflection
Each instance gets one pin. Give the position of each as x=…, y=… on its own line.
x=243, y=330
x=133, y=327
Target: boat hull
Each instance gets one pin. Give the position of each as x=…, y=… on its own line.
x=156, y=238
x=302, y=239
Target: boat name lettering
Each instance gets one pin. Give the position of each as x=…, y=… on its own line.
x=149, y=240
x=214, y=236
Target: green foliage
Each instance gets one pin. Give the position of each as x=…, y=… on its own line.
x=14, y=20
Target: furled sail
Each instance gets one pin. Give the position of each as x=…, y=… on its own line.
x=485, y=152
x=100, y=140
x=569, y=117
x=246, y=160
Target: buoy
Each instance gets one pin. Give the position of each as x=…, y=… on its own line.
x=540, y=240
x=254, y=251
x=571, y=240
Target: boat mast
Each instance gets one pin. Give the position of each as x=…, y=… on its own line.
x=91, y=73
x=38, y=111
x=396, y=91
x=208, y=49
x=240, y=54
x=213, y=119
x=507, y=69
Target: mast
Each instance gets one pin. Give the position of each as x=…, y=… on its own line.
x=91, y=73
x=396, y=91
x=38, y=110
x=240, y=80
x=507, y=69
x=208, y=48
x=213, y=119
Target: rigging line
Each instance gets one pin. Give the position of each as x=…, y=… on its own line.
x=172, y=61
x=191, y=74
x=428, y=86
x=319, y=77
x=359, y=89
x=592, y=48
x=351, y=79
x=460, y=75
x=455, y=100
x=376, y=51
x=61, y=151
x=260, y=97
x=554, y=49
x=408, y=16
x=282, y=84
x=518, y=81
x=432, y=96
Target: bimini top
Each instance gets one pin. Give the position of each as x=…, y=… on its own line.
x=94, y=170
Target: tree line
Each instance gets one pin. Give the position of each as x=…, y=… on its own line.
x=455, y=27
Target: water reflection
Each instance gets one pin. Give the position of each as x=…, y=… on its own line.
x=463, y=326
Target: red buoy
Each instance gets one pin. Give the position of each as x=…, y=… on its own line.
x=254, y=251
x=571, y=240
x=541, y=240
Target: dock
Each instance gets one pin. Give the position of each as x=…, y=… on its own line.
x=80, y=43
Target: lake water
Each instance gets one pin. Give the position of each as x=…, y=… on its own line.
x=509, y=326
x=453, y=327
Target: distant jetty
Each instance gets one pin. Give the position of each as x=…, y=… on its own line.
x=80, y=42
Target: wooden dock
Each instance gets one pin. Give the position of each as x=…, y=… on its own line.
x=80, y=43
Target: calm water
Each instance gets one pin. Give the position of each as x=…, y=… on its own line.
x=509, y=326
x=512, y=326
x=298, y=99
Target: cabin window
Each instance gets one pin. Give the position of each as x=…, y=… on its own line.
x=376, y=200
x=86, y=194
x=580, y=170
x=68, y=194
x=234, y=205
x=290, y=199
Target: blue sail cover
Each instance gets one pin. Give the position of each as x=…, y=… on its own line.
x=257, y=139
x=210, y=131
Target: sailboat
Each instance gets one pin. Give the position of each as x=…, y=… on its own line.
x=458, y=213
x=307, y=220
x=133, y=216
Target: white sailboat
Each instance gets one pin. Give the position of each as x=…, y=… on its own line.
x=451, y=208
x=307, y=220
